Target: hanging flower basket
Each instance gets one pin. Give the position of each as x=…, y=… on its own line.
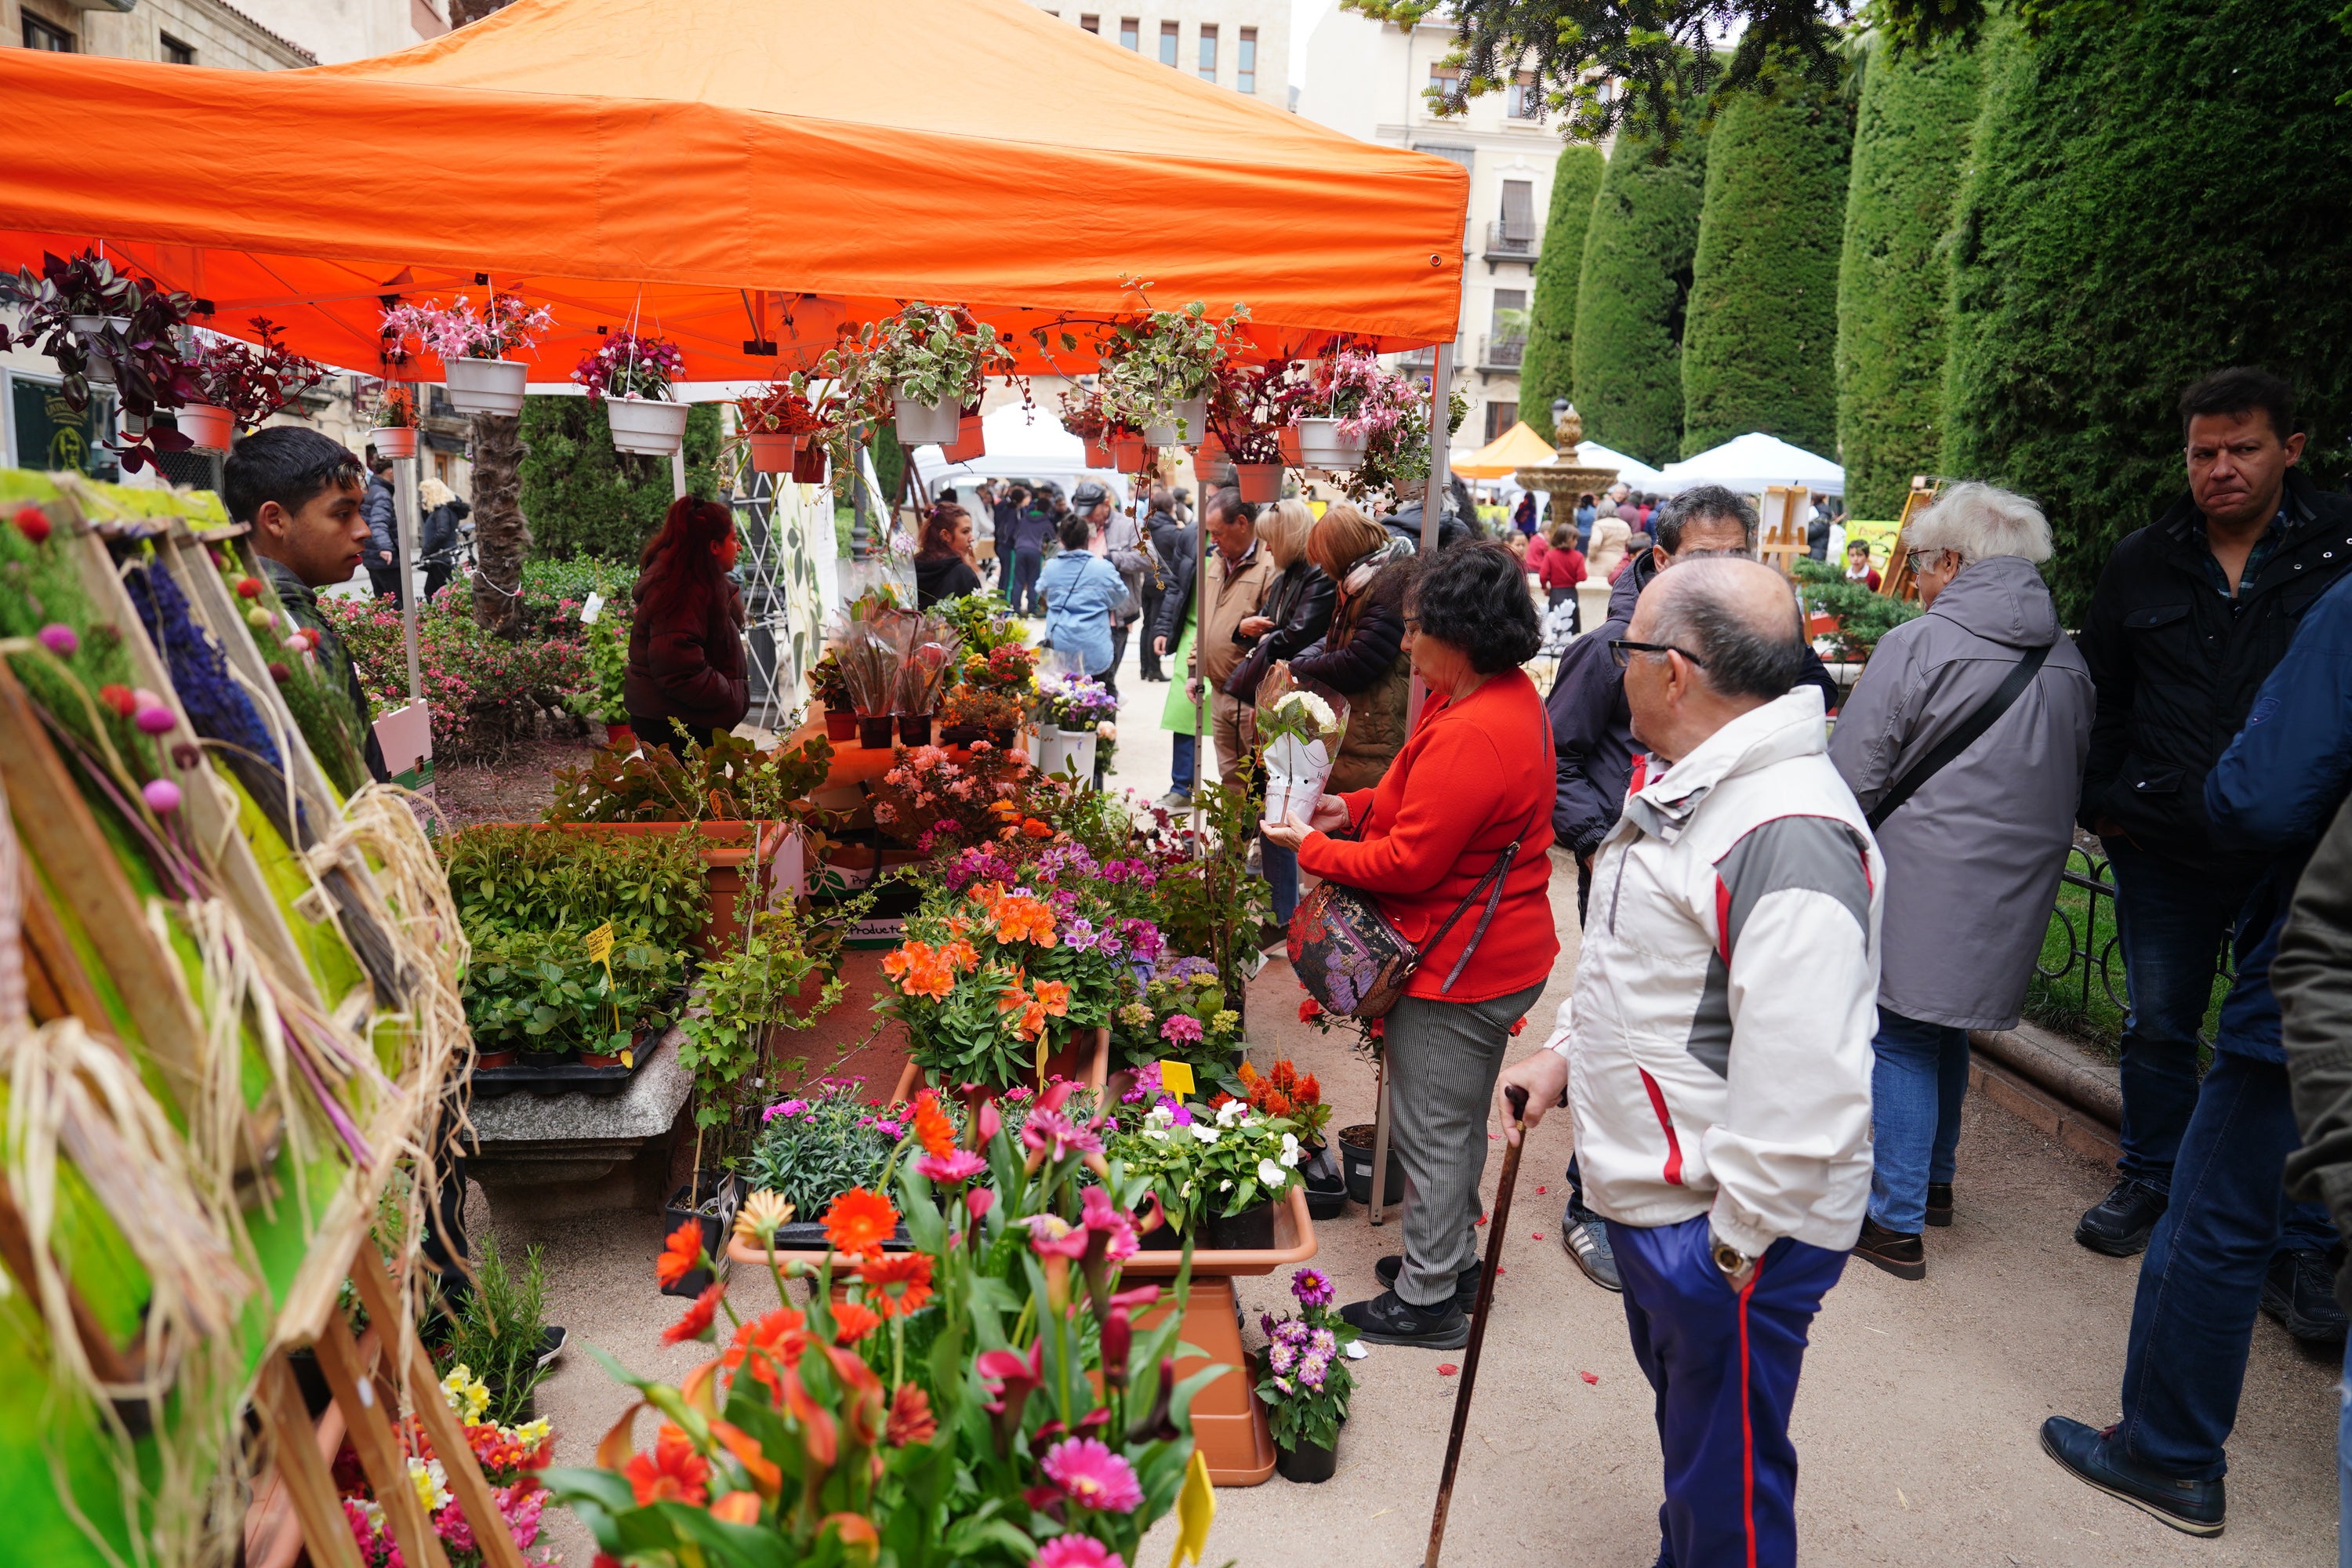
x=772, y=453
x=1188, y=422
x=969, y=442
x=208, y=426
x=1101, y=454
x=1258, y=483
x=485, y=386
x=808, y=467
x=1289, y=441
x=647, y=424
x=1131, y=454
x=1320, y=444
x=927, y=424
x=394, y=441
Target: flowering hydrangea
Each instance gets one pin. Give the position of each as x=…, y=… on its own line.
x=1181, y=1029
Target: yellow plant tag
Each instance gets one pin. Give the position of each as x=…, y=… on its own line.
x=1196, y=1510
x=598, y=943
x=1041, y=1064
x=1176, y=1078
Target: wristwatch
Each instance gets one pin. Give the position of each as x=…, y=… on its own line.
x=1734, y=1263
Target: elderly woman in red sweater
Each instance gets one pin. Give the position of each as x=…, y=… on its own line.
x=1473, y=780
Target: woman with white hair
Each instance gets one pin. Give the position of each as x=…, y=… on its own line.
x=1964, y=742
x=437, y=540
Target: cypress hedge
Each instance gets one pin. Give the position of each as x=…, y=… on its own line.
x=1910, y=150
x=2146, y=203
x=586, y=498
x=1761, y=350
x=1547, y=371
x=1630, y=296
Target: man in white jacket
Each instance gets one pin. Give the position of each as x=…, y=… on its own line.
x=1717, y=1045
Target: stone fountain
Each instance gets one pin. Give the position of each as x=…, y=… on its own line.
x=1564, y=478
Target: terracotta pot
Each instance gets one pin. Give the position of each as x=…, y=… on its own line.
x=808, y=468
x=968, y=441
x=1101, y=454
x=485, y=386
x=494, y=1059
x=840, y=724
x=1259, y=482
x=598, y=1059
x=773, y=452
x=394, y=442
x=1289, y=439
x=1133, y=454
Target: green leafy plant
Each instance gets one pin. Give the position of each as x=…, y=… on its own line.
x=497, y=1330
x=541, y=991
x=939, y=354
x=1863, y=616
x=1207, y=1164
x=810, y=1150
x=1165, y=358
x=1307, y=1381
x=511, y=879
x=750, y=996
x=729, y=780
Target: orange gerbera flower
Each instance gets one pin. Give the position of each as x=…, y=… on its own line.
x=681, y=1255
x=933, y=1131
x=859, y=1222
x=777, y=1337
x=852, y=1322
x=697, y=1321
x=897, y=1283
x=673, y=1472
x=1054, y=996
x=910, y=1417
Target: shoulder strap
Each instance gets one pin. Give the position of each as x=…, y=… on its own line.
x=2020, y=675
x=1491, y=884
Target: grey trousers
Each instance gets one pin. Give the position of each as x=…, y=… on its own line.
x=1442, y=1060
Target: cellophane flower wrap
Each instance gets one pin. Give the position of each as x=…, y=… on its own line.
x=988, y=1394
x=1298, y=729
x=934, y=650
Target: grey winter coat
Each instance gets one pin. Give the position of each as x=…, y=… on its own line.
x=1973, y=856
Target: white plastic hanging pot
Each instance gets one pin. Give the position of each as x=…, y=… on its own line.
x=97, y=366
x=773, y=452
x=394, y=442
x=1320, y=444
x=927, y=424
x=207, y=427
x=646, y=424
x=1187, y=422
x=485, y=386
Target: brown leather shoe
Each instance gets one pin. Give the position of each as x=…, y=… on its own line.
x=1901, y=1254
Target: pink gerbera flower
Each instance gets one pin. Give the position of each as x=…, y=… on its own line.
x=1093, y=1477
x=960, y=1165
x=1076, y=1552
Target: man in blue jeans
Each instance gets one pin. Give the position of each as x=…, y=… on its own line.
x=2191, y=615
x=2216, y=1254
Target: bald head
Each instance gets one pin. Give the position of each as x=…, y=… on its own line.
x=1737, y=617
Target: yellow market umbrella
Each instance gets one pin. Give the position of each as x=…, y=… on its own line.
x=1517, y=447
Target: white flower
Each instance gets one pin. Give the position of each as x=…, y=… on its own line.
x=1297, y=702
x=1161, y=1115
x=1204, y=1132
x=1290, y=1151
x=1106, y=729
x=1271, y=1176
x=1156, y=1134
x=1226, y=1185
x=1232, y=1111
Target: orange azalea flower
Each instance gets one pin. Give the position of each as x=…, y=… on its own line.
x=1054, y=996
x=780, y=1336
x=897, y=1283
x=906, y=955
x=910, y=1417
x=859, y=1222
x=852, y=1322
x=682, y=1254
x=933, y=1131
x=1015, y=996
x=672, y=1473
x=1032, y=1021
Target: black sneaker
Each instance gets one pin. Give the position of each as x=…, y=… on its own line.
x=1585, y=1238
x=552, y=1340
x=2300, y=1293
x=1939, y=1203
x=2095, y=1460
x=1466, y=1283
x=1900, y=1253
x=2118, y=1225
x=1388, y=1319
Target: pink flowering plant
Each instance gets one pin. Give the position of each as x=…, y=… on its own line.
x=504, y=325
x=931, y=800
x=626, y=365
x=483, y=690
x=1307, y=1381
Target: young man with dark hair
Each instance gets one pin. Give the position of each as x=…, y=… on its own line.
x=304, y=498
x=382, y=512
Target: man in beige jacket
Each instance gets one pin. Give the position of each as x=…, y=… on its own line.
x=1241, y=575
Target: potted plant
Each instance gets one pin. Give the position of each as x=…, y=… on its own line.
x=817, y=1143
x=394, y=435
x=498, y=1336
x=831, y=689
x=1158, y=372
x=474, y=347
x=104, y=328
x=1283, y=1091
x=776, y=420
x=634, y=377
x=1351, y=388
x=1307, y=1381
x=1250, y=409
x=872, y=654
x=924, y=364
x=933, y=653
x=239, y=385
x=1071, y=711
x=1085, y=415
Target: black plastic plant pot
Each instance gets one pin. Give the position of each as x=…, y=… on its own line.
x=874, y=731
x=1252, y=1230
x=961, y=734
x=1307, y=1462
x=685, y=1204
x=539, y=1061
x=914, y=728
x=1358, y=1158
x=1326, y=1184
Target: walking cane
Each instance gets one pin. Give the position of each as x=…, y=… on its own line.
x=1498, y=1222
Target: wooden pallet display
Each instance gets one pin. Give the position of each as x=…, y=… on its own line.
x=1896, y=580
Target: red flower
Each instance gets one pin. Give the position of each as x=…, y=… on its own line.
x=910, y=1417
x=859, y=1222
x=1309, y=1010
x=682, y=1254
x=248, y=587
x=33, y=523
x=852, y=1322
x=777, y=1338
x=696, y=1324
x=119, y=697
x=933, y=1131
x=672, y=1473
x=909, y=1272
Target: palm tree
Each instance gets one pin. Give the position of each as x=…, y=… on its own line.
x=501, y=532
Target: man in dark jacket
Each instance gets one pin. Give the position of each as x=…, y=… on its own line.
x=380, y=510
x=2190, y=617
x=1592, y=733
x=1160, y=530
x=1457, y=518
x=1021, y=543
x=2216, y=1251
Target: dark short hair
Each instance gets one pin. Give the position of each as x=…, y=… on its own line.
x=1741, y=659
x=2240, y=389
x=1473, y=595
x=1701, y=502
x=1076, y=530
x=287, y=464
x=1220, y=504
x=377, y=462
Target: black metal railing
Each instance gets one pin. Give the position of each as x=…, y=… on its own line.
x=1512, y=239
x=2085, y=950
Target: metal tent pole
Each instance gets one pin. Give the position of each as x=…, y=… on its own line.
x=404, y=491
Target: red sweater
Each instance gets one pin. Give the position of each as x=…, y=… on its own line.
x=1472, y=776
x=1563, y=569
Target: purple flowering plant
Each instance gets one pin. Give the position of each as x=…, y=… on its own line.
x=1306, y=1383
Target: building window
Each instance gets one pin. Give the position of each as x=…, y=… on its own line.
x=1246, y=66
x=1523, y=100
x=1167, y=43
x=1500, y=417
x=177, y=52
x=1519, y=210
x=1131, y=34
x=1091, y=22
x=1208, y=51
x=49, y=36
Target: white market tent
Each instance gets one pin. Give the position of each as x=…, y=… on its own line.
x=1750, y=464
x=1631, y=471
x=1027, y=444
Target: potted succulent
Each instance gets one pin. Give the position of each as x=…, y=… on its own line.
x=635, y=378
x=394, y=435
x=926, y=366
x=1251, y=407
x=239, y=385
x=1158, y=371
x=1307, y=1381
x=474, y=347
x=776, y=419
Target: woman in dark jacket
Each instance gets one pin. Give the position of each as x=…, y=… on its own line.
x=687, y=678
x=438, y=543
x=1297, y=613
x=944, y=567
x=1363, y=655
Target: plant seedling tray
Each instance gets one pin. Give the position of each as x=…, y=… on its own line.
x=568, y=1077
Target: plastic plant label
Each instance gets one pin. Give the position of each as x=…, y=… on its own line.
x=592, y=609
x=598, y=943
x=1176, y=1078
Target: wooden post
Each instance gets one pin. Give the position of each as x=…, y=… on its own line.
x=349, y=1374
x=309, y=1485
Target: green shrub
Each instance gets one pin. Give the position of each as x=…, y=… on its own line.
x=541, y=991
x=1547, y=371
x=496, y=1332
x=1630, y=294
x=511, y=879
x=586, y=498
x=1863, y=615
x=1760, y=353
x=483, y=690
x=2146, y=203
x=1910, y=148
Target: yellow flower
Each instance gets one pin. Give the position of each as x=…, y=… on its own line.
x=468, y=1396
x=431, y=1483
x=530, y=1434
x=760, y=1216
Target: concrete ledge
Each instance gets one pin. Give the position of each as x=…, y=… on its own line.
x=525, y=1138
x=2058, y=1066
x=2045, y=1114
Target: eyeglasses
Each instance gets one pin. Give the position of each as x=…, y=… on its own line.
x=1913, y=556
x=1622, y=650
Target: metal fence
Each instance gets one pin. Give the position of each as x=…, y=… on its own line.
x=2084, y=951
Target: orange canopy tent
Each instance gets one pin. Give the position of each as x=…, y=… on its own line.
x=736, y=173
x=1517, y=447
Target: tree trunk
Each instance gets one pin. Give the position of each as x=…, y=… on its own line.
x=501, y=533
